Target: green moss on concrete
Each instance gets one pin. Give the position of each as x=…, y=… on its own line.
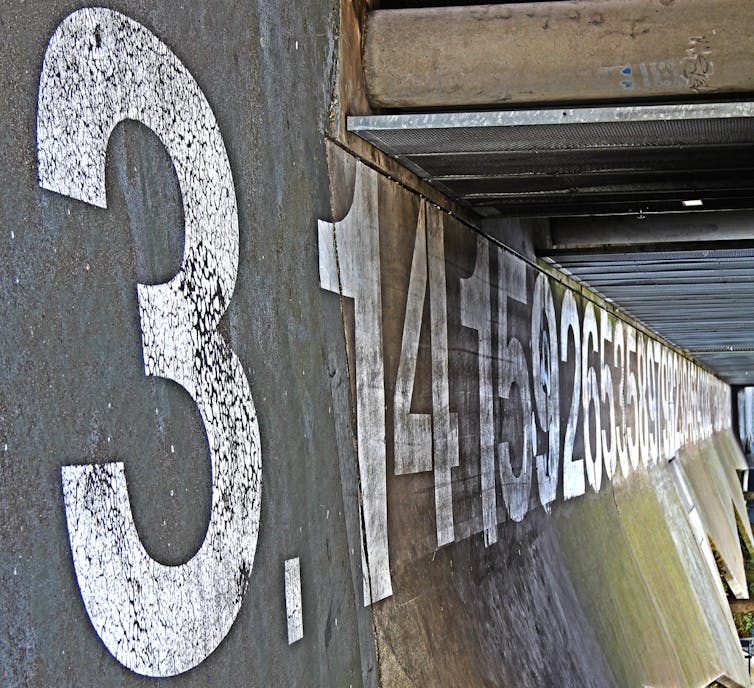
x=636, y=589
x=612, y=589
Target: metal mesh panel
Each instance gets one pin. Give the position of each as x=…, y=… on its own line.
x=552, y=162
x=696, y=159
x=700, y=300
x=631, y=133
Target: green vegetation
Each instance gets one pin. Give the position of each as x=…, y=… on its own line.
x=744, y=620
x=744, y=623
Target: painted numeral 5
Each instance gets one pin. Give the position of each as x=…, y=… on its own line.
x=514, y=371
x=101, y=68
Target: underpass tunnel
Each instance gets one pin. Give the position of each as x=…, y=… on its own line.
x=609, y=143
x=377, y=343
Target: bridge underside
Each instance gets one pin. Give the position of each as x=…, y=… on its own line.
x=609, y=142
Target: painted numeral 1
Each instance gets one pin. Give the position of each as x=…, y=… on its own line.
x=349, y=265
x=475, y=314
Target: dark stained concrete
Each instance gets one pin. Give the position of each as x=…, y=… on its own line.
x=73, y=390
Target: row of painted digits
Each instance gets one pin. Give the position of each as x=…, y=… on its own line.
x=627, y=399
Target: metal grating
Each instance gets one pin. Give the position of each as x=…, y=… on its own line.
x=578, y=161
x=565, y=135
x=700, y=300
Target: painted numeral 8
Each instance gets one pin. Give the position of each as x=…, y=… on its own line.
x=101, y=68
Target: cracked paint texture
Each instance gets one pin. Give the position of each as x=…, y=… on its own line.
x=101, y=68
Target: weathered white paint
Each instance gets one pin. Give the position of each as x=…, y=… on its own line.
x=513, y=371
x=444, y=423
x=101, y=68
x=687, y=421
x=651, y=405
x=677, y=400
x=293, y=607
x=475, y=314
x=591, y=399
x=412, y=432
x=632, y=430
x=423, y=440
x=619, y=363
x=573, y=469
x=607, y=397
x=546, y=371
x=349, y=265
x=667, y=404
x=641, y=387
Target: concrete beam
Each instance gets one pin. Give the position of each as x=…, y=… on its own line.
x=558, y=51
x=584, y=233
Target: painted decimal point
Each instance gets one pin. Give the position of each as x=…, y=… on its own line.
x=293, y=607
x=101, y=68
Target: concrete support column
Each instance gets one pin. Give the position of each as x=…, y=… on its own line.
x=741, y=401
x=749, y=419
x=558, y=51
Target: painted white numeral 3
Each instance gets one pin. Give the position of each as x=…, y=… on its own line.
x=101, y=68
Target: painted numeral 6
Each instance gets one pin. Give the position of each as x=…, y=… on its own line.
x=101, y=68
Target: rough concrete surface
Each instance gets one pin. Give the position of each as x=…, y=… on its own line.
x=608, y=588
x=489, y=559
x=73, y=388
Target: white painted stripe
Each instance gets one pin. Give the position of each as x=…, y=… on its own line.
x=293, y=608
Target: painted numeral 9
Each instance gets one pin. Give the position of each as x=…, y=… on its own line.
x=101, y=68
x=546, y=371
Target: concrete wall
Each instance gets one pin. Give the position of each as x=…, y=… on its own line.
x=73, y=389
x=348, y=443
x=745, y=402
x=514, y=532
